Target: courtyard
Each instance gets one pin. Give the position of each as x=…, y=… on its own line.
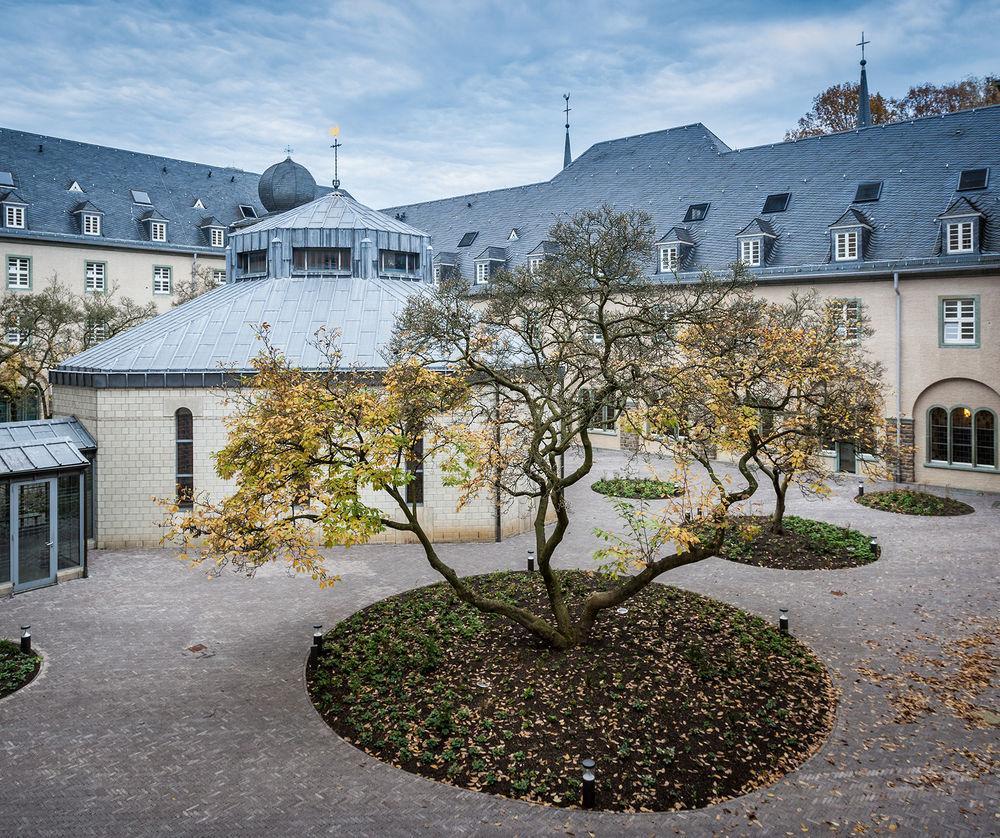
x=171, y=704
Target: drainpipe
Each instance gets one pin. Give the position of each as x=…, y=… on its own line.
x=899, y=375
x=498, y=512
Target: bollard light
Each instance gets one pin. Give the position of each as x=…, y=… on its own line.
x=621, y=609
x=873, y=544
x=589, y=784
x=861, y=489
x=531, y=561
x=588, y=764
x=783, y=621
x=26, y=640
x=317, y=644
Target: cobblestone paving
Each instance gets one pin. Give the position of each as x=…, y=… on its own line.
x=128, y=733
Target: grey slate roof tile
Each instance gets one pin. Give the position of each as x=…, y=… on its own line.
x=663, y=172
x=107, y=176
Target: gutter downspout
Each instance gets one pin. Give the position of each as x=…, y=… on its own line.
x=498, y=511
x=899, y=375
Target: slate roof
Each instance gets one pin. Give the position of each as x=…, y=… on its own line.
x=31, y=457
x=216, y=330
x=40, y=430
x=336, y=210
x=106, y=175
x=664, y=172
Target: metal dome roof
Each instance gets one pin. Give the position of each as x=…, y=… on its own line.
x=335, y=210
x=286, y=185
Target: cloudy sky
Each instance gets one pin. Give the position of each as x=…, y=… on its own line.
x=437, y=98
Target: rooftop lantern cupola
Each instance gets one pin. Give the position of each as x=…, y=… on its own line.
x=330, y=238
x=864, y=101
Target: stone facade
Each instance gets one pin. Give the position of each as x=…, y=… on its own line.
x=135, y=433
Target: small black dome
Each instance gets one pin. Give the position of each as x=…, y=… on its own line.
x=286, y=185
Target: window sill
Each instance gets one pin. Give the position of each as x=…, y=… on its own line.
x=943, y=345
x=963, y=467
x=602, y=432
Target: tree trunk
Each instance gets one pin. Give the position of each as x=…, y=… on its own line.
x=780, y=490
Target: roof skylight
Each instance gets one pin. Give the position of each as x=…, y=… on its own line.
x=868, y=192
x=6, y=179
x=468, y=239
x=777, y=202
x=696, y=212
x=973, y=179
x=247, y=211
x=141, y=197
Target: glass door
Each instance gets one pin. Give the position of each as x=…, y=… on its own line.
x=847, y=456
x=34, y=542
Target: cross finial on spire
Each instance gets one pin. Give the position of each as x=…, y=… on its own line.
x=567, y=156
x=336, y=175
x=289, y=150
x=862, y=44
x=864, y=101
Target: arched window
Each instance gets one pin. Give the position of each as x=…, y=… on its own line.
x=986, y=438
x=184, y=437
x=962, y=437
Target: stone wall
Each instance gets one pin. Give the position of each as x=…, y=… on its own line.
x=134, y=429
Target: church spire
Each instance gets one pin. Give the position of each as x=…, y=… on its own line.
x=864, y=102
x=567, y=156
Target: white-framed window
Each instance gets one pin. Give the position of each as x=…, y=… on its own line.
x=482, y=272
x=437, y=273
x=958, y=321
x=605, y=418
x=98, y=332
x=158, y=231
x=14, y=336
x=217, y=237
x=162, y=276
x=750, y=252
x=847, y=317
x=535, y=264
x=13, y=216
x=95, y=277
x=668, y=259
x=846, y=245
x=219, y=276
x=960, y=237
x=91, y=224
x=19, y=272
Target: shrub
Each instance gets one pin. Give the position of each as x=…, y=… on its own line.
x=16, y=668
x=638, y=488
x=909, y=502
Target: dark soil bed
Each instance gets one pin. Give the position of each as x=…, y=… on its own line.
x=804, y=545
x=16, y=668
x=908, y=502
x=636, y=488
x=682, y=701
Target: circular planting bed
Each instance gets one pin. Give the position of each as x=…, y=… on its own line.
x=16, y=668
x=637, y=488
x=908, y=502
x=682, y=701
x=804, y=545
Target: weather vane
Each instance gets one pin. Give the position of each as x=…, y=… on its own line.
x=335, y=133
x=567, y=109
x=861, y=44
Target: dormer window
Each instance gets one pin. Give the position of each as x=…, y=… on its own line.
x=482, y=273
x=535, y=264
x=158, y=231
x=959, y=237
x=198, y=204
x=668, y=258
x=217, y=236
x=961, y=225
x=492, y=259
x=849, y=236
x=91, y=223
x=75, y=187
x=846, y=245
x=13, y=216
x=514, y=235
x=750, y=252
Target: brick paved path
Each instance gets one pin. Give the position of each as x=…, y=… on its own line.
x=126, y=733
